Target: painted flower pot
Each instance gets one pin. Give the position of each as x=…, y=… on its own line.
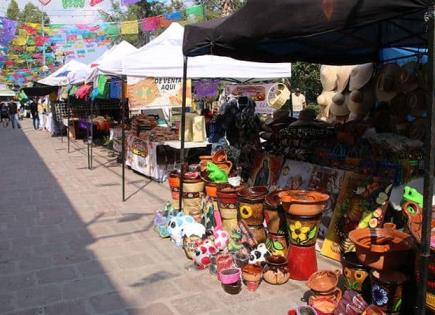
x=356, y=275
x=193, y=191
x=174, y=185
x=303, y=230
x=227, y=204
x=251, y=204
x=387, y=287
x=276, y=270
x=303, y=202
x=274, y=214
x=277, y=244
x=383, y=248
x=258, y=232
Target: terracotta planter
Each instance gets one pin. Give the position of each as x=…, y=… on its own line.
x=383, y=248
x=251, y=204
x=303, y=230
x=193, y=191
x=203, y=162
x=251, y=275
x=303, y=202
x=274, y=214
x=277, y=244
x=356, y=275
x=258, y=232
x=323, y=282
x=174, y=185
x=276, y=270
x=387, y=287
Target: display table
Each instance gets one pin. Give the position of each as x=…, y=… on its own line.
x=176, y=144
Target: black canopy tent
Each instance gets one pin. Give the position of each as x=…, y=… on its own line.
x=38, y=89
x=336, y=32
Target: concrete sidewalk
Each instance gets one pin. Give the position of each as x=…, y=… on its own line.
x=68, y=245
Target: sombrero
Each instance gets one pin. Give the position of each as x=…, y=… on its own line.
x=343, y=76
x=360, y=101
x=338, y=105
x=360, y=76
x=417, y=102
x=387, y=83
x=328, y=77
x=409, y=77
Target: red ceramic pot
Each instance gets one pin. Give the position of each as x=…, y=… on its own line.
x=302, y=262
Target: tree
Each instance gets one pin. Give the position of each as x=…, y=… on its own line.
x=13, y=10
x=217, y=8
x=32, y=14
x=306, y=77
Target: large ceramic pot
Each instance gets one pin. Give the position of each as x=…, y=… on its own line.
x=274, y=214
x=303, y=230
x=326, y=295
x=174, y=185
x=383, y=248
x=356, y=275
x=277, y=244
x=251, y=204
x=303, y=202
x=193, y=191
x=387, y=287
x=276, y=270
x=227, y=203
x=258, y=232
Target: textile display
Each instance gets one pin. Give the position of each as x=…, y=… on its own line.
x=257, y=92
x=129, y=27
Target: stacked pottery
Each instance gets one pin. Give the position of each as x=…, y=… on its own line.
x=250, y=204
x=252, y=274
x=356, y=275
x=276, y=224
x=193, y=191
x=227, y=204
x=303, y=212
x=325, y=293
x=276, y=270
x=221, y=160
x=174, y=185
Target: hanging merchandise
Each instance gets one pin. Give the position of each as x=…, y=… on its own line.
x=73, y=4
x=115, y=89
x=164, y=22
x=7, y=30
x=195, y=13
x=129, y=27
x=102, y=86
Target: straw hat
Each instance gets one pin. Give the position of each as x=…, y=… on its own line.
x=343, y=76
x=338, y=105
x=409, y=76
x=417, y=103
x=324, y=100
x=387, y=83
x=360, y=76
x=361, y=101
x=328, y=77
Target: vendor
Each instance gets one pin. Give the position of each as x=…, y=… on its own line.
x=298, y=102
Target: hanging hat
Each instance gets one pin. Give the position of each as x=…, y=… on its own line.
x=387, y=83
x=417, y=103
x=325, y=99
x=328, y=77
x=409, y=76
x=338, y=105
x=360, y=101
x=360, y=76
x=343, y=75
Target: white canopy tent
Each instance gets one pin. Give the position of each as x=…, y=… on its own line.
x=72, y=72
x=5, y=91
x=163, y=57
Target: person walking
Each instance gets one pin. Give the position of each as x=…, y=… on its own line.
x=34, y=112
x=41, y=114
x=13, y=114
x=298, y=102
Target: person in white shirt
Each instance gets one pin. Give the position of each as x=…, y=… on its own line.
x=298, y=102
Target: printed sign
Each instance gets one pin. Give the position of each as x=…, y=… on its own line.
x=257, y=92
x=156, y=92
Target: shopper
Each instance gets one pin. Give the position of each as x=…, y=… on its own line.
x=41, y=114
x=34, y=113
x=13, y=114
x=298, y=102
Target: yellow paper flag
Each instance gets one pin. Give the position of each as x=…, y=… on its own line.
x=129, y=27
x=19, y=40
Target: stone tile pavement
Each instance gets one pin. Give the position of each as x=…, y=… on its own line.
x=68, y=245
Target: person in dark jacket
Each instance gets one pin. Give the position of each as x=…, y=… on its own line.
x=34, y=112
x=13, y=114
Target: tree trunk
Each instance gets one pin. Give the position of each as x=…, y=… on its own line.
x=227, y=7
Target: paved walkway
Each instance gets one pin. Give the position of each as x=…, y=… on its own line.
x=68, y=245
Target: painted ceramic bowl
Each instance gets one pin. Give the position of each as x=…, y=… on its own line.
x=252, y=273
x=323, y=282
x=303, y=202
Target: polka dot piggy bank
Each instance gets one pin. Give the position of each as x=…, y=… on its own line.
x=176, y=227
x=221, y=239
x=204, y=250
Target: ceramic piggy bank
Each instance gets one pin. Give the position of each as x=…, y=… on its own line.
x=176, y=227
x=221, y=239
x=204, y=250
x=258, y=255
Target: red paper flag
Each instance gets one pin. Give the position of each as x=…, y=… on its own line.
x=95, y=2
x=150, y=24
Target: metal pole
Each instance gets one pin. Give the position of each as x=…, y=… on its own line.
x=428, y=172
x=124, y=78
x=68, y=122
x=183, y=128
x=92, y=134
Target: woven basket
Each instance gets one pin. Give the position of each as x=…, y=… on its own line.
x=282, y=94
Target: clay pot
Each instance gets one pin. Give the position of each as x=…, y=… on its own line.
x=325, y=305
x=277, y=244
x=323, y=282
x=225, y=166
x=276, y=270
x=174, y=185
x=193, y=191
x=258, y=232
x=219, y=156
x=223, y=262
x=302, y=262
x=251, y=275
x=383, y=248
x=274, y=214
x=303, y=230
x=203, y=162
x=387, y=287
x=241, y=259
x=227, y=204
x=251, y=204
x=303, y=202
x=233, y=288
x=355, y=274
x=229, y=276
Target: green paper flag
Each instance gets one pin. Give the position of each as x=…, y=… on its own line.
x=195, y=13
x=73, y=3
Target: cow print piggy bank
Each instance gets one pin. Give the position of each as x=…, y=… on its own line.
x=176, y=226
x=258, y=255
x=204, y=250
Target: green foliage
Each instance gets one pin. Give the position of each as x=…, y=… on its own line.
x=213, y=8
x=306, y=77
x=13, y=10
x=29, y=14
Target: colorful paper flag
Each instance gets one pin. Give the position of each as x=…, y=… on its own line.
x=95, y=2
x=129, y=2
x=150, y=24
x=129, y=27
x=195, y=13
x=174, y=16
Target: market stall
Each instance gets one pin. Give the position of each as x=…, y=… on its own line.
x=353, y=33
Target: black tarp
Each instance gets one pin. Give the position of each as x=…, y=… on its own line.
x=39, y=89
x=317, y=31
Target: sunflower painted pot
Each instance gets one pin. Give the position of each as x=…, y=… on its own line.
x=303, y=230
x=274, y=214
x=174, y=185
x=250, y=204
x=356, y=275
x=387, y=288
x=227, y=204
x=277, y=244
x=258, y=232
x=193, y=191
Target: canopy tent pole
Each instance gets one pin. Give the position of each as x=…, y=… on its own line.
x=182, y=130
x=428, y=170
x=124, y=79
x=68, y=122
